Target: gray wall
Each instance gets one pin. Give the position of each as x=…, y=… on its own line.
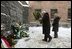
x=13, y=11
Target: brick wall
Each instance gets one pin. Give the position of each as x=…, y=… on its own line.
x=61, y=6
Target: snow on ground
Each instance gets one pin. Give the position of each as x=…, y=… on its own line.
x=36, y=36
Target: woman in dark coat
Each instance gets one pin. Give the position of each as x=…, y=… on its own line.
x=46, y=27
x=55, y=26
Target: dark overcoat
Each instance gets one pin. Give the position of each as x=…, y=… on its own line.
x=46, y=24
x=56, y=24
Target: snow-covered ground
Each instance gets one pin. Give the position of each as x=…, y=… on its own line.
x=36, y=36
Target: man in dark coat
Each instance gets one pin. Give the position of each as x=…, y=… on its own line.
x=56, y=26
x=46, y=27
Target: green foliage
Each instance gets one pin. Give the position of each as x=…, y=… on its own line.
x=37, y=15
x=23, y=34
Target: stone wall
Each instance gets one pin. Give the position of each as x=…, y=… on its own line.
x=12, y=10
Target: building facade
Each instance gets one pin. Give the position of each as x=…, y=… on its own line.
x=62, y=8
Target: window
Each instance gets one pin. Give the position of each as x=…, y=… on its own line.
x=38, y=10
x=69, y=13
x=53, y=11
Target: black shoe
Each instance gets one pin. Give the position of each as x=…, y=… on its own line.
x=55, y=37
x=50, y=39
x=44, y=40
